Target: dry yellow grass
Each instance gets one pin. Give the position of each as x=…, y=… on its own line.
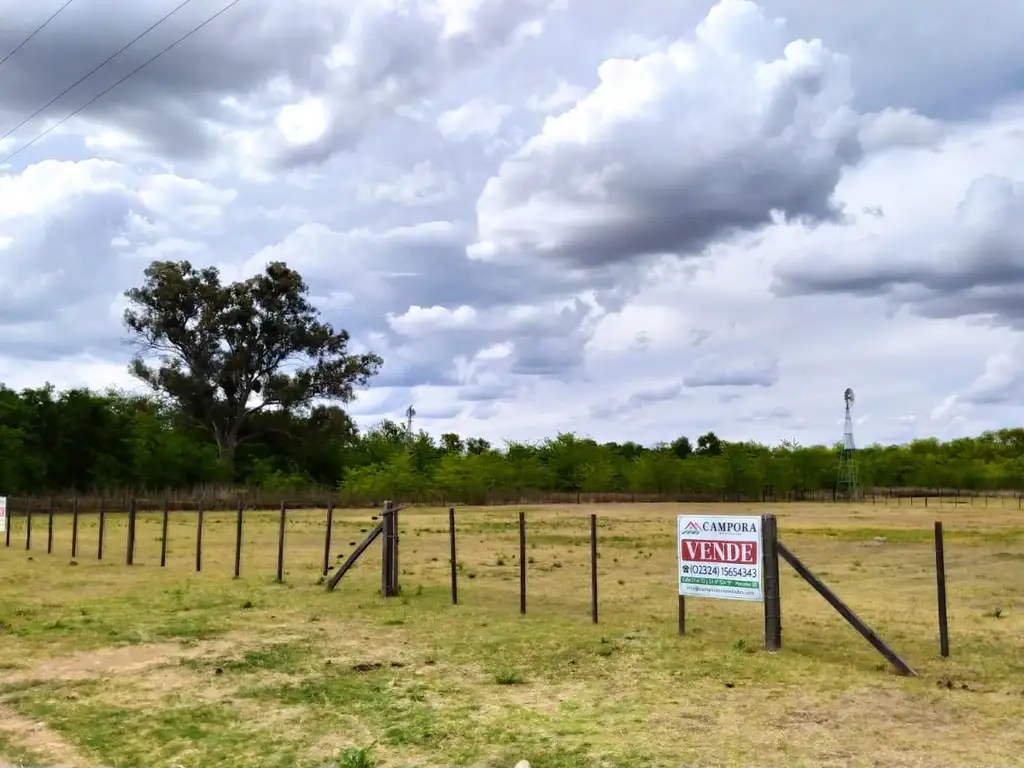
x=142, y=666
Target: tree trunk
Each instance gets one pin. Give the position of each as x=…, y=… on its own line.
x=227, y=459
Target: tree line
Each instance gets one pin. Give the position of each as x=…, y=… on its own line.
x=246, y=386
x=82, y=441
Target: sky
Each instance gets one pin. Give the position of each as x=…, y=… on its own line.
x=628, y=220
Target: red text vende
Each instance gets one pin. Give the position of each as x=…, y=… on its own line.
x=703, y=551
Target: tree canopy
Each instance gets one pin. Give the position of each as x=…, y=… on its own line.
x=84, y=441
x=224, y=353
x=247, y=386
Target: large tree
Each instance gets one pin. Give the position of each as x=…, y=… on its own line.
x=223, y=352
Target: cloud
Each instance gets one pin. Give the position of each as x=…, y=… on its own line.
x=637, y=400
x=563, y=95
x=77, y=234
x=722, y=371
x=423, y=185
x=971, y=265
x=299, y=83
x=479, y=117
x=655, y=197
x=1001, y=382
x=728, y=131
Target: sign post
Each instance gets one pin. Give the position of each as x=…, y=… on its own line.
x=720, y=557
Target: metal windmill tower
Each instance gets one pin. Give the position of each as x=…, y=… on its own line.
x=848, y=485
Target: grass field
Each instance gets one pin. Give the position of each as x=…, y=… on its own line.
x=105, y=665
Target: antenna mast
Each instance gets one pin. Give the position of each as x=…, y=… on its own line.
x=848, y=485
x=409, y=413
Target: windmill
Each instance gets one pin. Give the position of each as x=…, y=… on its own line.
x=848, y=484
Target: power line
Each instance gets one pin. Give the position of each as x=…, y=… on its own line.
x=35, y=32
x=107, y=90
x=99, y=66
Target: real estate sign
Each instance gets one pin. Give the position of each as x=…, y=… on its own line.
x=3, y=514
x=719, y=557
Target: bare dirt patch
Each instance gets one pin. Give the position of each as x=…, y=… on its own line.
x=107, y=662
x=38, y=739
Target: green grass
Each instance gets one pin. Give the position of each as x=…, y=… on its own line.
x=150, y=666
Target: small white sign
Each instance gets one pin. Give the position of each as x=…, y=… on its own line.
x=3, y=514
x=719, y=557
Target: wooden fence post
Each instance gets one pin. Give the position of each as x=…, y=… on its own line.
x=238, y=540
x=593, y=568
x=280, y=543
x=199, y=537
x=9, y=519
x=164, y=519
x=396, y=587
x=74, y=528
x=28, y=529
x=522, y=563
x=49, y=528
x=102, y=526
x=129, y=555
x=327, y=537
x=454, y=564
x=940, y=576
x=772, y=586
x=389, y=551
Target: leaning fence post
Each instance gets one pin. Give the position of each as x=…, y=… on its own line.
x=327, y=536
x=280, y=543
x=28, y=529
x=940, y=577
x=772, y=588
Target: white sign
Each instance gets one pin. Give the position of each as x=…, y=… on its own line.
x=719, y=557
x=3, y=514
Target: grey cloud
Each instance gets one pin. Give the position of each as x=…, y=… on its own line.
x=484, y=411
x=637, y=400
x=976, y=269
x=392, y=406
x=363, y=59
x=398, y=373
x=733, y=371
x=641, y=186
x=1001, y=382
x=439, y=413
x=77, y=235
x=779, y=413
x=479, y=393
x=892, y=128
x=698, y=336
x=894, y=61
x=364, y=276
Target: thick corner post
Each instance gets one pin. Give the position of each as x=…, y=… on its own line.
x=389, y=559
x=772, y=586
